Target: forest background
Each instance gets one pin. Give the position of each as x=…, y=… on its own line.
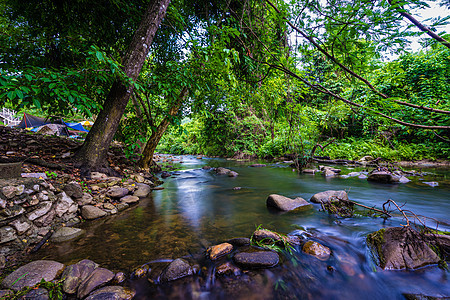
x=238, y=78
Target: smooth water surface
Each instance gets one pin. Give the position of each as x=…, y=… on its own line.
x=198, y=209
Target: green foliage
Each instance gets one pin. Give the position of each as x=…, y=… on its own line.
x=54, y=288
x=279, y=246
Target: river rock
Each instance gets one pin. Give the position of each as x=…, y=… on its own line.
x=309, y=171
x=111, y=293
x=233, y=174
x=4, y=293
x=222, y=171
x=258, y=165
x=317, y=250
x=99, y=277
x=32, y=273
x=117, y=192
x=46, y=219
x=73, y=189
x=85, y=199
x=129, y=199
x=269, y=237
x=219, y=250
x=239, y=242
x=119, y=278
x=400, y=248
x=403, y=179
x=11, y=212
x=7, y=234
x=65, y=204
x=353, y=174
x=285, y=203
x=362, y=176
x=432, y=183
x=42, y=209
x=254, y=260
x=90, y=212
x=98, y=176
x=383, y=177
x=165, y=174
x=228, y=269
x=328, y=173
x=21, y=225
x=77, y=273
x=9, y=191
x=179, y=268
x=66, y=234
x=328, y=196
x=143, y=190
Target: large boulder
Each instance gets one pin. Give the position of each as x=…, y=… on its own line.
x=401, y=247
x=286, y=204
x=255, y=260
x=90, y=212
x=383, y=177
x=328, y=196
x=98, y=278
x=117, y=192
x=179, y=268
x=32, y=273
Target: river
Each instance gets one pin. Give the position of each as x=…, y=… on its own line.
x=197, y=209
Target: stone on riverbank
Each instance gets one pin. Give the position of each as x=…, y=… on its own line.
x=117, y=192
x=177, y=269
x=90, y=212
x=143, y=190
x=258, y=165
x=32, y=273
x=287, y=204
x=400, y=248
x=73, y=189
x=317, y=250
x=225, y=171
x=129, y=199
x=265, y=236
x=329, y=196
x=75, y=274
x=256, y=260
x=98, y=278
x=66, y=234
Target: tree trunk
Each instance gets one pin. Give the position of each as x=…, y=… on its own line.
x=149, y=150
x=92, y=155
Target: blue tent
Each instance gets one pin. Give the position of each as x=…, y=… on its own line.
x=76, y=126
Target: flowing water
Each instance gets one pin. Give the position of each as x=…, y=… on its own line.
x=198, y=209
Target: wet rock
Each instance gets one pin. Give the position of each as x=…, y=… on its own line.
x=111, y=293
x=37, y=294
x=432, y=183
x=66, y=234
x=141, y=271
x=143, y=190
x=328, y=173
x=90, y=212
x=222, y=171
x=287, y=204
x=353, y=174
x=219, y=250
x=7, y=234
x=32, y=273
x=108, y=206
x=11, y=212
x=129, y=199
x=179, y=268
x=401, y=247
x=328, y=196
x=139, y=178
x=239, y=242
x=265, y=236
x=117, y=192
x=45, y=220
x=119, y=278
x=237, y=188
x=64, y=205
x=258, y=165
x=383, y=177
x=233, y=174
x=260, y=259
x=206, y=168
x=121, y=206
x=98, y=278
x=73, y=189
x=309, y=171
x=42, y=209
x=165, y=174
x=228, y=269
x=403, y=179
x=77, y=273
x=317, y=250
x=362, y=176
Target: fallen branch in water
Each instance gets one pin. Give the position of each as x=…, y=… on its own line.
x=399, y=209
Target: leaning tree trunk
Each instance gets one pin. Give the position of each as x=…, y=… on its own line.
x=149, y=150
x=92, y=155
